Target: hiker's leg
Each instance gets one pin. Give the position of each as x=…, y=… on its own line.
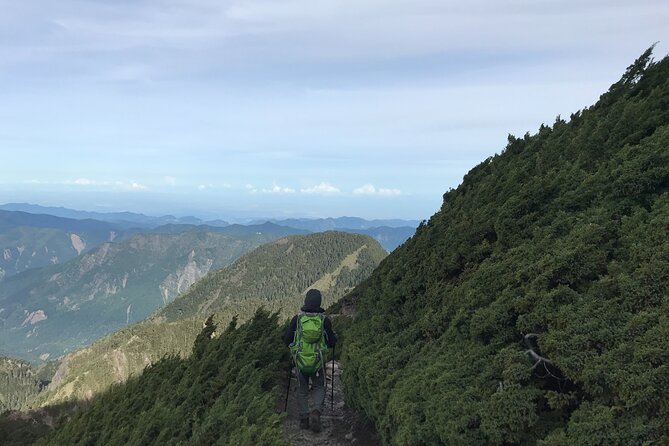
x=318, y=387
x=302, y=395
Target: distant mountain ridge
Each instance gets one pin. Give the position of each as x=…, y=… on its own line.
x=122, y=219
x=37, y=240
x=340, y=223
x=391, y=233
x=47, y=312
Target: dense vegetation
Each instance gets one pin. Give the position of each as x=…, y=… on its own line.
x=275, y=276
x=223, y=394
x=533, y=307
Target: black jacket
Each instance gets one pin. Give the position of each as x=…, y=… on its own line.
x=330, y=335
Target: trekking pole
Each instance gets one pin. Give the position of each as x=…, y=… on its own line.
x=332, y=383
x=290, y=375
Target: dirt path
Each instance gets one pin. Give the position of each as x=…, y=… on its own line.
x=341, y=426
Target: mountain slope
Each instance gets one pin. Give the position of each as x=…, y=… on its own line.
x=274, y=276
x=532, y=308
x=223, y=394
x=334, y=262
x=50, y=311
x=37, y=240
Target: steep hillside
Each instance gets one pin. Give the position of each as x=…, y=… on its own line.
x=37, y=240
x=533, y=307
x=274, y=276
x=47, y=312
x=224, y=393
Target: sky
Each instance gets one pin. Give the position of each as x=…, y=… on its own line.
x=294, y=108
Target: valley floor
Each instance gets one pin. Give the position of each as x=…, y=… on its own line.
x=341, y=426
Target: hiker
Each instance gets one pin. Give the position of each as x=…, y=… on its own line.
x=309, y=336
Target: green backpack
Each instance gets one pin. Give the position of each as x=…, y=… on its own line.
x=309, y=348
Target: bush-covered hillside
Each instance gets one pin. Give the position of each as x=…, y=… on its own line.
x=533, y=308
x=278, y=275
x=223, y=394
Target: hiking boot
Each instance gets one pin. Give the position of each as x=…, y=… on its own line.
x=304, y=423
x=315, y=420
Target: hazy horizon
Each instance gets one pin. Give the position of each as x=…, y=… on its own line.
x=291, y=109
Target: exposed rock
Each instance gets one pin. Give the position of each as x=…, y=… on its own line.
x=77, y=243
x=34, y=317
x=180, y=280
x=120, y=363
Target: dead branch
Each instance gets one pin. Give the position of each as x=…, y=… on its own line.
x=530, y=351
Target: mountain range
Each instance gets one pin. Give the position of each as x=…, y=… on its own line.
x=274, y=276
x=124, y=220
x=50, y=311
x=37, y=240
x=43, y=232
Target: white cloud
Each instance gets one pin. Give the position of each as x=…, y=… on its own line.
x=322, y=188
x=276, y=189
x=202, y=186
x=84, y=182
x=366, y=189
x=137, y=186
x=172, y=181
x=370, y=189
x=389, y=192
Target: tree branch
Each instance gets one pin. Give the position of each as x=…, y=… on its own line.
x=530, y=351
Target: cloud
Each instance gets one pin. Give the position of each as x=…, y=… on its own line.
x=276, y=189
x=322, y=189
x=172, y=181
x=202, y=187
x=137, y=186
x=85, y=182
x=370, y=189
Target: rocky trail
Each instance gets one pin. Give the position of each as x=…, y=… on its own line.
x=341, y=426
